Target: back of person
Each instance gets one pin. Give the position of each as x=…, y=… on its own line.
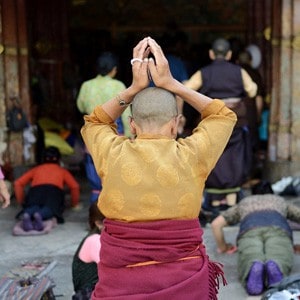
x=232, y=84
x=84, y=275
x=152, y=186
x=48, y=174
x=45, y=197
x=266, y=202
x=96, y=91
x=145, y=163
x=222, y=79
x=265, y=241
x=104, y=86
x=86, y=257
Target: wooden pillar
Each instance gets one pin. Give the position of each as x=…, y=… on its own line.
x=14, y=75
x=275, y=40
x=23, y=60
x=283, y=117
x=295, y=80
x=259, y=24
x=50, y=54
x=284, y=124
x=284, y=145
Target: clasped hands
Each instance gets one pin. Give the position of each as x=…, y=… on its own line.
x=146, y=68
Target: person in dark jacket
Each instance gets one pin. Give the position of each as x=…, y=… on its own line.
x=229, y=82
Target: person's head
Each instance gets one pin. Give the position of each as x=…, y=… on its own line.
x=244, y=58
x=51, y=155
x=261, y=188
x=154, y=110
x=95, y=217
x=220, y=49
x=107, y=64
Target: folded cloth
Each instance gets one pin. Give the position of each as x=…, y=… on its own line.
x=48, y=225
x=155, y=260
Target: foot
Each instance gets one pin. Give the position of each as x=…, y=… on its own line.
x=255, y=281
x=274, y=274
x=26, y=222
x=38, y=222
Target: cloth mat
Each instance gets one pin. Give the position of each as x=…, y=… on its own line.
x=48, y=226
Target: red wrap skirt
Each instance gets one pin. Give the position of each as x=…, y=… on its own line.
x=155, y=260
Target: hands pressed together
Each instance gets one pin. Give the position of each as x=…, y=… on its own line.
x=145, y=67
x=149, y=63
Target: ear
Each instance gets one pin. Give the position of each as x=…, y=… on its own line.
x=228, y=55
x=132, y=126
x=98, y=224
x=174, y=126
x=211, y=54
x=181, y=123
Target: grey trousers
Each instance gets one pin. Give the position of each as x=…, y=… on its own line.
x=263, y=244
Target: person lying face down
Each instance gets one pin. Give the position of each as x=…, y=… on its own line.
x=265, y=243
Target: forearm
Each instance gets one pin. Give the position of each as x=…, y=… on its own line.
x=19, y=193
x=113, y=107
x=195, y=82
x=217, y=229
x=195, y=99
x=219, y=238
x=5, y=196
x=75, y=193
x=249, y=85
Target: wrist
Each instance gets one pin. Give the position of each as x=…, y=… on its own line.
x=121, y=101
x=221, y=249
x=128, y=94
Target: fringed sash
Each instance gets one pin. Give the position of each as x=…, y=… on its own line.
x=156, y=260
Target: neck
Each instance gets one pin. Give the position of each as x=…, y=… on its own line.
x=165, y=130
x=112, y=73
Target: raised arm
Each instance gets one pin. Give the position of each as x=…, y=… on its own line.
x=158, y=69
x=161, y=75
x=140, y=80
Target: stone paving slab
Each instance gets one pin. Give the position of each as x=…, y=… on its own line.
x=60, y=245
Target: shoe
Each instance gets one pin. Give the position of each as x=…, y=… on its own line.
x=280, y=185
x=26, y=222
x=255, y=280
x=274, y=275
x=38, y=222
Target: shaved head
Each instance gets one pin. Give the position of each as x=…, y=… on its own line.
x=154, y=105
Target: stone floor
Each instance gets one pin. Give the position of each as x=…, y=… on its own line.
x=61, y=243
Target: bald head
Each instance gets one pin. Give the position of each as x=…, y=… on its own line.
x=155, y=106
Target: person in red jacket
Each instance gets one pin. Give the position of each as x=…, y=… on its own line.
x=45, y=197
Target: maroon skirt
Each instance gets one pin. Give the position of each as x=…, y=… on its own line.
x=155, y=260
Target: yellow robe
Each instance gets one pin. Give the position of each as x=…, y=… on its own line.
x=154, y=177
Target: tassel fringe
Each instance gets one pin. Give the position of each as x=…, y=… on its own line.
x=216, y=274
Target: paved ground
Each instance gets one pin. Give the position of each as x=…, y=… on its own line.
x=61, y=243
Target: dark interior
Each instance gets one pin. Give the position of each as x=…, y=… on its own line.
x=65, y=38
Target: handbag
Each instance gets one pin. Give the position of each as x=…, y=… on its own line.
x=16, y=118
